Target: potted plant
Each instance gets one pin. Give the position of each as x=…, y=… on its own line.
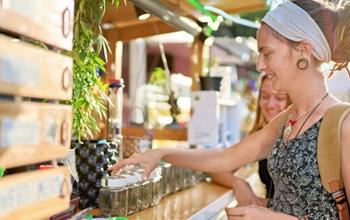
x=89, y=98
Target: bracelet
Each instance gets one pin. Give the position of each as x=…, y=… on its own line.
x=302, y=218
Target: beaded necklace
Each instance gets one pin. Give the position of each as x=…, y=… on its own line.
x=288, y=129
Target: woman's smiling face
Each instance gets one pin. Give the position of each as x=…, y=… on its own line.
x=275, y=59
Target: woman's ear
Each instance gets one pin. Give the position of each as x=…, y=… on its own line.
x=305, y=48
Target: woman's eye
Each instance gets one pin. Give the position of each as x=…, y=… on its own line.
x=281, y=98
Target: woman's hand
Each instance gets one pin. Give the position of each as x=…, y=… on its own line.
x=245, y=195
x=255, y=212
x=148, y=160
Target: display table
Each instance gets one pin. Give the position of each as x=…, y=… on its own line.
x=182, y=204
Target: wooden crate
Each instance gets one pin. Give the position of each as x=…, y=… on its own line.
x=33, y=132
x=50, y=21
x=26, y=70
x=34, y=195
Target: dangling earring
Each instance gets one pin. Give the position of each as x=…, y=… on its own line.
x=303, y=63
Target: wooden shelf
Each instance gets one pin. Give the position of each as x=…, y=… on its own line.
x=33, y=132
x=34, y=72
x=159, y=134
x=47, y=192
x=47, y=21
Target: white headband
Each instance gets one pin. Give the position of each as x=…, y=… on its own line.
x=295, y=24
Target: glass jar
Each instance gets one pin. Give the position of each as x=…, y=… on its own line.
x=113, y=196
x=144, y=192
x=166, y=179
x=155, y=177
x=133, y=192
x=155, y=185
x=177, y=179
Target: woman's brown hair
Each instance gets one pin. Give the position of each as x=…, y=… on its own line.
x=334, y=24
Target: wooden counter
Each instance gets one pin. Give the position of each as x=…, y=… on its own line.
x=183, y=204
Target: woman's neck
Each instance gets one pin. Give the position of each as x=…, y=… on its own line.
x=308, y=93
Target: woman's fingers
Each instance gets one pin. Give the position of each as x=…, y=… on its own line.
x=120, y=164
x=235, y=212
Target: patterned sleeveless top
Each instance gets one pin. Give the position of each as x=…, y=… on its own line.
x=295, y=173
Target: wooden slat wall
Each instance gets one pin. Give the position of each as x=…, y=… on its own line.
x=49, y=188
x=50, y=21
x=26, y=70
x=33, y=132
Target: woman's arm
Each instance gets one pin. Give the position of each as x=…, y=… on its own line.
x=256, y=212
x=241, y=189
x=252, y=148
x=225, y=179
x=255, y=147
x=345, y=152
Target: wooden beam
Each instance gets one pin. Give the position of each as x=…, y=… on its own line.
x=249, y=8
x=138, y=30
x=196, y=68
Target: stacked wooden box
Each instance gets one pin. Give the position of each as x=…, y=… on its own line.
x=34, y=127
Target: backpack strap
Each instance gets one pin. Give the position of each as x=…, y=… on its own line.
x=328, y=145
x=329, y=153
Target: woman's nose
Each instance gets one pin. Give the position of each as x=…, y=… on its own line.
x=271, y=104
x=260, y=64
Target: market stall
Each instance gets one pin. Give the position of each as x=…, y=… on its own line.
x=57, y=94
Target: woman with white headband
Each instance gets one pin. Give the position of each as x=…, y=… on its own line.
x=294, y=40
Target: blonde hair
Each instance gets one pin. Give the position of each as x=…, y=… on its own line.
x=260, y=121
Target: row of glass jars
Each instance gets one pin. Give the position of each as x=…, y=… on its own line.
x=127, y=193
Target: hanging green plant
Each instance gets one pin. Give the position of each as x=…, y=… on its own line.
x=88, y=89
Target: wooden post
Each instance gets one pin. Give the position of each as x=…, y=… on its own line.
x=196, y=62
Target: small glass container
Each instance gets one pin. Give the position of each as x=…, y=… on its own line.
x=133, y=192
x=144, y=192
x=155, y=186
x=186, y=178
x=113, y=196
x=192, y=178
x=172, y=179
x=177, y=179
x=166, y=179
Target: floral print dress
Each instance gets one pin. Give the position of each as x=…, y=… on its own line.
x=294, y=170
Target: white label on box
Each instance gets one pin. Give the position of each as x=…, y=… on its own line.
x=26, y=193
x=19, y=132
x=19, y=72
